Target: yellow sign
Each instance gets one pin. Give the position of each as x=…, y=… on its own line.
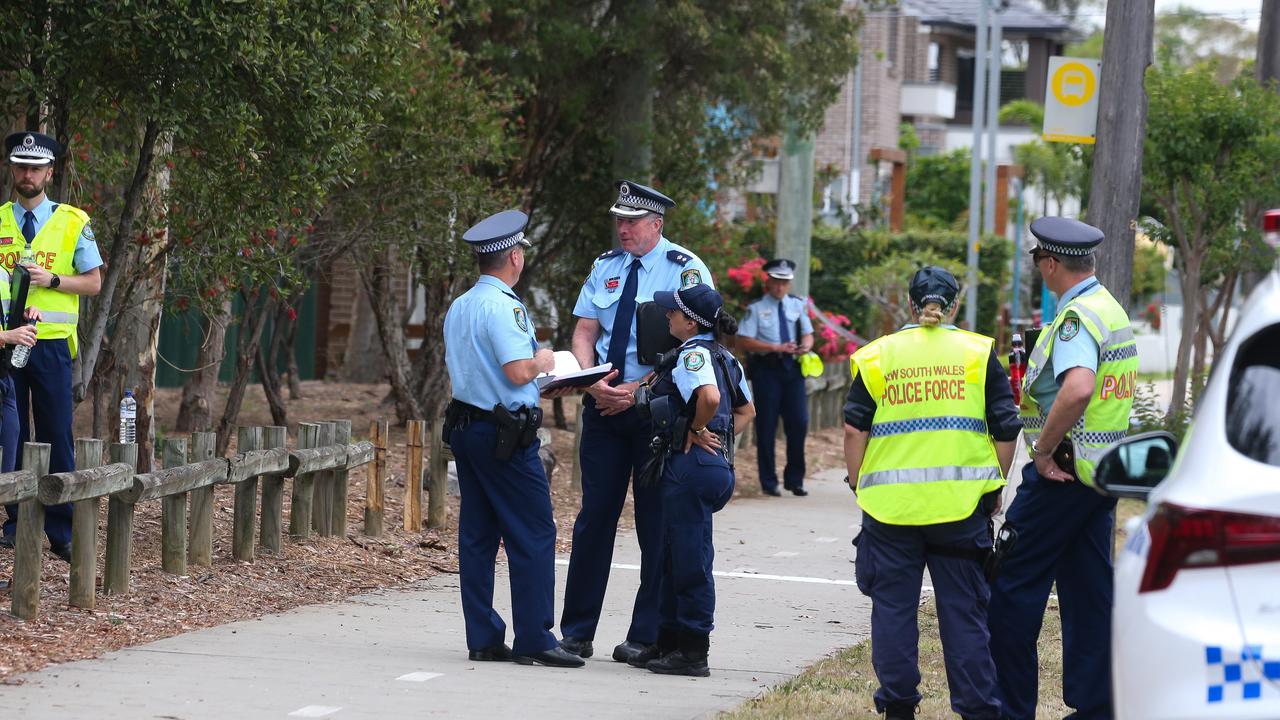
x=1074, y=84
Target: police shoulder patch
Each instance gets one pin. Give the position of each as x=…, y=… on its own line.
x=694, y=361
x=690, y=277
x=1070, y=328
x=87, y=233
x=522, y=320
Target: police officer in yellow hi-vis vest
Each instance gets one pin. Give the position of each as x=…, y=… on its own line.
x=1076, y=398
x=930, y=431
x=54, y=242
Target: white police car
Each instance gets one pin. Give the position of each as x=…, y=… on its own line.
x=1196, y=626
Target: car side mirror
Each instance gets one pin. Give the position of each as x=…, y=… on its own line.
x=1134, y=466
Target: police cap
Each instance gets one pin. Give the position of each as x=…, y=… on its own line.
x=1064, y=236
x=31, y=148
x=932, y=284
x=780, y=268
x=498, y=232
x=635, y=200
x=700, y=302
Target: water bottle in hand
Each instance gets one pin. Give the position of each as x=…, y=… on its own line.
x=21, y=353
x=1017, y=368
x=128, y=418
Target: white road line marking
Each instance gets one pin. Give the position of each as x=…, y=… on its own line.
x=748, y=575
x=419, y=676
x=314, y=711
x=825, y=539
x=784, y=553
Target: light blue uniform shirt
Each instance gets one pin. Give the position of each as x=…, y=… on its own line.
x=487, y=327
x=86, y=257
x=1078, y=350
x=694, y=369
x=762, y=320
x=600, y=294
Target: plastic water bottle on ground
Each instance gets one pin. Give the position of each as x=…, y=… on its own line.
x=128, y=418
x=21, y=353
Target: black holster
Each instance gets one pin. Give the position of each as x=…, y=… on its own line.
x=454, y=417
x=515, y=430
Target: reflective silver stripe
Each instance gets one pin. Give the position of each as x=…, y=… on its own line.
x=5, y=302
x=945, y=473
x=59, y=317
x=901, y=427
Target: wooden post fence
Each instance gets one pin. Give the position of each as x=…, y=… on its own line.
x=413, y=477
x=248, y=439
x=303, y=485
x=200, y=543
x=437, y=478
x=173, y=514
x=322, y=495
x=115, y=572
x=375, y=487
x=22, y=488
x=340, y=483
x=272, y=528
x=244, y=471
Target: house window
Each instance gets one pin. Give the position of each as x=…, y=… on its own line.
x=893, y=40
x=934, y=68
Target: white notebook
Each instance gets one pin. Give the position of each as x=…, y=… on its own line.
x=568, y=373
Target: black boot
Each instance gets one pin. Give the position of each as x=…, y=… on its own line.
x=668, y=642
x=900, y=712
x=690, y=659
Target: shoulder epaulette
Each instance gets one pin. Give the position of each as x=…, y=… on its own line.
x=84, y=216
x=679, y=257
x=790, y=295
x=609, y=253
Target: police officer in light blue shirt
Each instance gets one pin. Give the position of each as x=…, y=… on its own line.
x=774, y=332
x=615, y=441
x=493, y=360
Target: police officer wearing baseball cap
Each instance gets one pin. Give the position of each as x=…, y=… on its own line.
x=55, y=243
x=704, y=393
x=615, y=440
x=775, y=332
x=1074, y=406
x=493, y=360
x=930, y=432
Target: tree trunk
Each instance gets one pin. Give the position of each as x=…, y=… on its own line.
x=363, y=362
x=376, y=278
x=1267, y=62
x=251, y=323
x=291, y=360
x=1116, y=184
x=195, y=412
x=633, y=104
x=1190, y=282
x=431, y=376
x=1200, y=358
x=269, y=367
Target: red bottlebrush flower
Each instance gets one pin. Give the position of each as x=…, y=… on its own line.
x=293, y=314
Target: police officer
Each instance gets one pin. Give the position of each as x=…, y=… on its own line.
x=775, y=331
x=65, y=265
x=492, y=422
x=707, y=404
x=615, y=440
x=930, y=431
x=1076, y=398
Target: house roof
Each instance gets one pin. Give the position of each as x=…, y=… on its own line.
x=1020, y=17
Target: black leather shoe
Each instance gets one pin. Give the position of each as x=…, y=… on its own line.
x=799, y=492
x=581, y=648
x=900, y=712
x=681, y=662
x=772, y=492
x=555, y=657
x=494, y=653
x=668, y=641
x=628, y=651
x=6, y=541
x=62, y=551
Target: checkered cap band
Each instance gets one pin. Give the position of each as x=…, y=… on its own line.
x=639, y=203
x=1057, y=249
x=696, y=317
x=30, y=151
x=500, y=244
x=901, y=427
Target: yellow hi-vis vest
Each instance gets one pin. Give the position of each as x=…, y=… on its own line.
x=1106, y=418
x=930, y=458
x=54, y=248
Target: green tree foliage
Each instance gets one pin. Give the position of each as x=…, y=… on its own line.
x=938, y=190
x=1058, y=170
x=1186, y=36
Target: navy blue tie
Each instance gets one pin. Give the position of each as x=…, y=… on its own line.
x=29, y=227
x=783, y=331
x=621, y=333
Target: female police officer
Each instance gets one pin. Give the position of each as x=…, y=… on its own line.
x=699, y=398
x=920, y=420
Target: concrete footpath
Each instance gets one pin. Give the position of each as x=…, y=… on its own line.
x=785, y=599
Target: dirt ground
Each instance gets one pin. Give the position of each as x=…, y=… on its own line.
x=311, y=571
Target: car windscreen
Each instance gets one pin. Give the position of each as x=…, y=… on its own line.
x=1253, y=397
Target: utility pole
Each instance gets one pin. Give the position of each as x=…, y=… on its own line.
x=1267, y=66
x=1115, y=188
x=795, y=202
x=975, y=166
x=993, y=120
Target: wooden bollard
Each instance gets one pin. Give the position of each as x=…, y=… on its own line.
x=322, y=496
x=375, y=487
x=340, y=483
x=173, y=514
x=84, y=531
x=200, y=543
x=273, y=436
x=115, y=572
x=303, y=486
x=413, y=477
x=246, y=502
x=437, y=478
x=28, y=553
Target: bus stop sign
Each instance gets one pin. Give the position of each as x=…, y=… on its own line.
x=1071, y=100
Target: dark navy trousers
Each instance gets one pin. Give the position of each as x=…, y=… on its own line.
x=779, y=393
x=889, y=568
x=1065, y=534
x=43, y=389
x=508, y=501
x=694, y=485
x=613, y=449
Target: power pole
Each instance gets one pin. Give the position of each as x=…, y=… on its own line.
x=1267, y=65
x=1115, y=188
x=975, y=166
x=795, y=202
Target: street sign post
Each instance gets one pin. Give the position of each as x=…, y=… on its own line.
x=1071, y=100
